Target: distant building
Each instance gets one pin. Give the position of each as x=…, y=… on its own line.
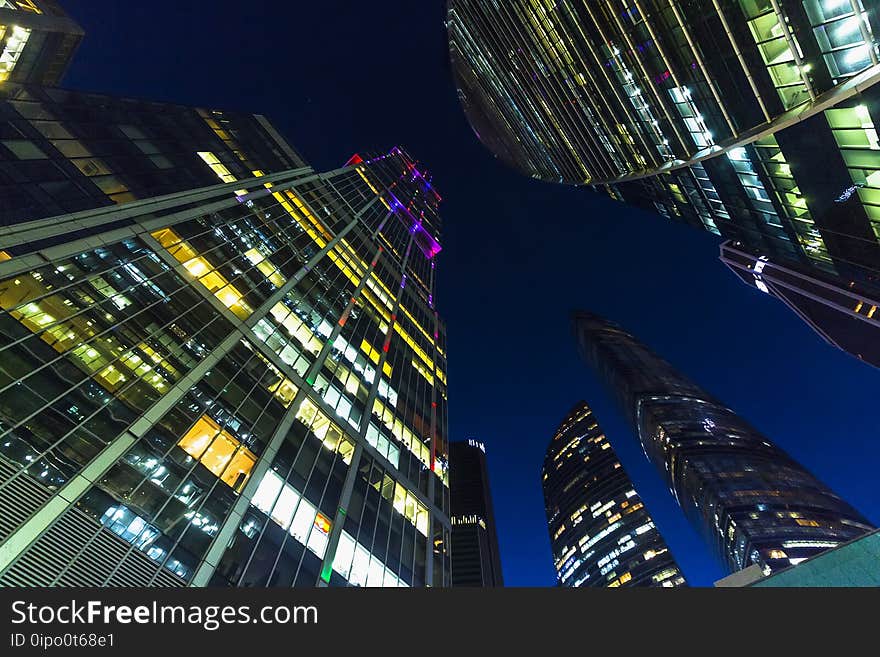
x=476, y=559
x=600, y=531
x=751, y=501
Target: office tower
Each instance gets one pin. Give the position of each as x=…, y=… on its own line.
x=600, y=531
x=66, y=151
x=240, y=384
x=754, y=120
x=476, y=559
x=751, y=501
x=37, y=41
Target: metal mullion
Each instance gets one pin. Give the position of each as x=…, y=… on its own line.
x=699, y=59
x=553, y=89
x=287, y=534
x=539, y=111
x=646, y=78
x=27, y=533
x=171, y=494
x=650, y=149
x=60, y=224
x=794, y=47
x=742, y=62
x=866, y=35
x=88, y=378
x=586, y=139
x=530, y=149
x=21, y=233
x=64, y=354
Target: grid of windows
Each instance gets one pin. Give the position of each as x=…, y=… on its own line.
x=600, y=531
x=225, y=384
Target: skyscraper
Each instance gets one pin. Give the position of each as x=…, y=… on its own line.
x=754, y=120
x=37, y=41
x=752, y=502
x=476, y=559
x=240, y=384
x=600, y=531
x=66, y=151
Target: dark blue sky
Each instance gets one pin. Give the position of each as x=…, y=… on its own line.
x=337, y=77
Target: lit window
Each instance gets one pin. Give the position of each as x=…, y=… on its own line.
x=222, y=172
x=219, y=452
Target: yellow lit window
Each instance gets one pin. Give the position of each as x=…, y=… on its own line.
x=222, y=172
x=296, y=327
x=266, y=267
x=402, y=433
x=374, y=356
x=218, y=451
x=4, y=256
x=331, y=436
x=28, y=5
x=806, y=523
x=13, y=47
x=202, y=270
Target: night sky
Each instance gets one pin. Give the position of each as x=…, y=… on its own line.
x=337, y=77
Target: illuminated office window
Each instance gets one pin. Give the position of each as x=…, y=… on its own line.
x=767, y=30
x=857, y=137
x=217, y=167
x=841, y=34
x=218, y=451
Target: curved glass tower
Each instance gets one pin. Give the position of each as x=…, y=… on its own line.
x=600, y=531
x=751, y=500
x=755, y=120
x=592, y=92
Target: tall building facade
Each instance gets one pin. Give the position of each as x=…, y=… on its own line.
x=752, y=119
x=65, y=151
x=37, y=41
x=752, y=502
x=476, y=558
x=241, y=384
x=601, y=533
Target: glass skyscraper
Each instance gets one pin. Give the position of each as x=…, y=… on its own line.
x=37, y=41
x=601, y=533
x=65, y=151
x=476, y=558
x=752, y=502
x=241, y=384
x=217, y=366
x=752, y=119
